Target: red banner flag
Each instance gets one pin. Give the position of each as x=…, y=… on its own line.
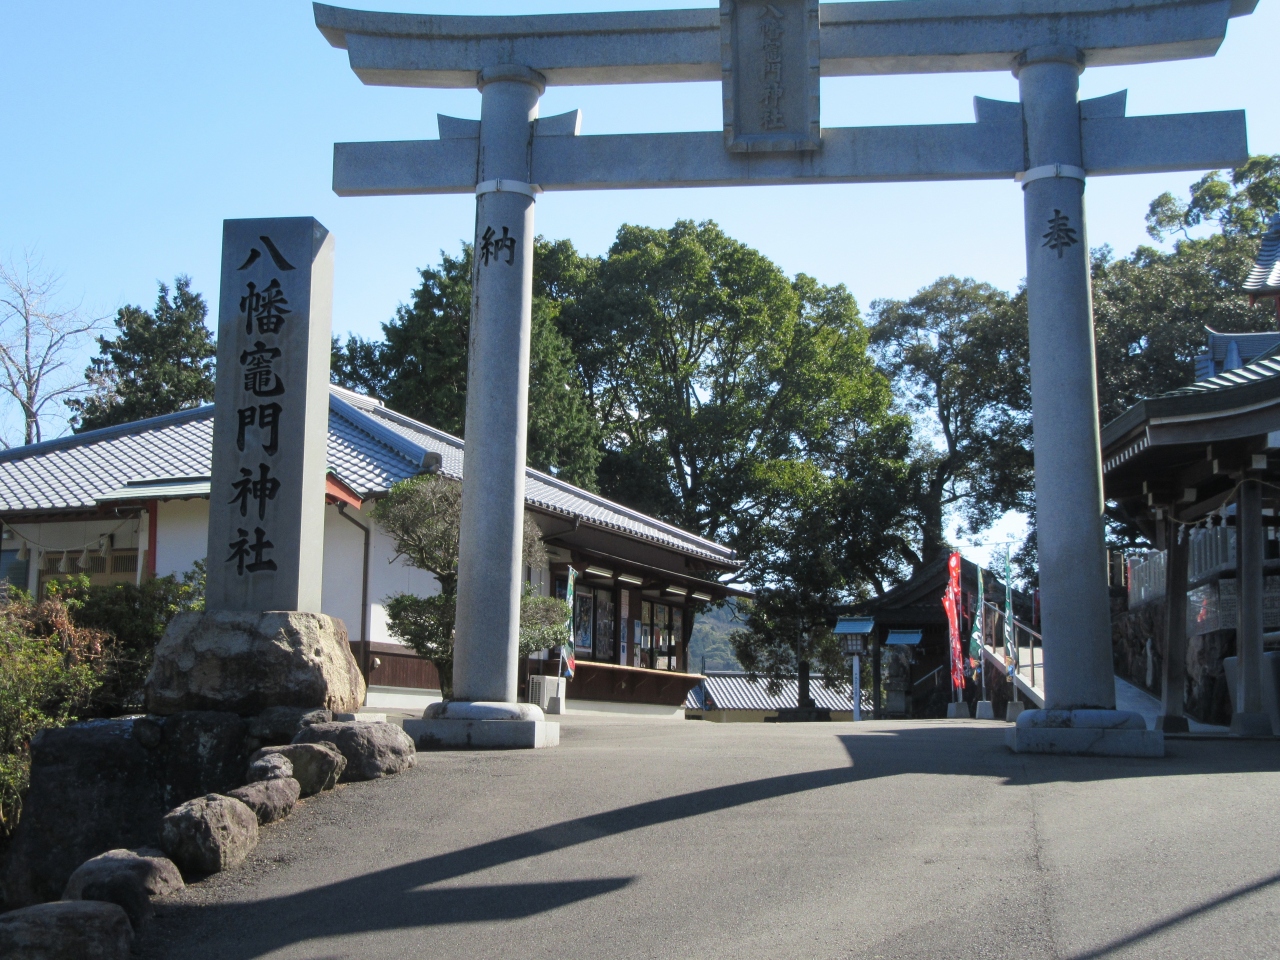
x=951, y=603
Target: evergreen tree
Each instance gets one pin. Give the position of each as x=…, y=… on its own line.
x=159, y=362
x=420, y=367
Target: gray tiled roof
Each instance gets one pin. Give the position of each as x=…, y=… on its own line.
x=737, y=691
x=370, y=448
x=1255, y=372
x=1264, y=278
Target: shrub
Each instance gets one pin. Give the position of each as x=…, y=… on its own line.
x=49, y=670
x=136, y=617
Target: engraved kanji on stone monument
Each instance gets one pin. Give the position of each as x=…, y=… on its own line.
x=770, y=62
x=266, y=508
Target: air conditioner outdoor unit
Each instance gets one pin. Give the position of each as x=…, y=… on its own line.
x=543, y=689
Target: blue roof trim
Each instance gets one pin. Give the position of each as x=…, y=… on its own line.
x=855, y=625
x=904, y=638
x=106, y=433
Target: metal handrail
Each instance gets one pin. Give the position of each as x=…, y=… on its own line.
x=1031, y=645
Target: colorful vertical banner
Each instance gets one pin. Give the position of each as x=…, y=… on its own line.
x=1010, y=635
x=976, y=636
x=568, y=661
x=951, y=603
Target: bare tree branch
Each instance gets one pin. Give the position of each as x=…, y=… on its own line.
x=39, y=338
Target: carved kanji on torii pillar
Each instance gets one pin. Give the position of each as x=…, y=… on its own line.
x=769, y=56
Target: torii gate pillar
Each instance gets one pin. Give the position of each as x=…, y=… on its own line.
x=1075, y=610
x=484, y=667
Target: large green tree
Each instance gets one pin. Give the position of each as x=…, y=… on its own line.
x=420, y=367
x=1151, y=308
x=742, y=404
x=160, y=361
x=715, y=377
x=957, y=353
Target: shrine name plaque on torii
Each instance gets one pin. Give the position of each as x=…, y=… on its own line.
x=769, y=56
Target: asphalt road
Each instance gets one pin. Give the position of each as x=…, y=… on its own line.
x=680, y=839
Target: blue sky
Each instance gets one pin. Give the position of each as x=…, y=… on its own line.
x=133, y=128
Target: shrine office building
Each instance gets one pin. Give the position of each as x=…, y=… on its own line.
x=130, y=502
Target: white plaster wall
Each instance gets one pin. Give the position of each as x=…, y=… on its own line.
x=388, y=576
x=340, y=593
x=182, y=535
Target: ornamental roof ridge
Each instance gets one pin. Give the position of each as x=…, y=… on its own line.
x=1264, y=277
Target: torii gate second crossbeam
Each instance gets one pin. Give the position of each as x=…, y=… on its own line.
x=769, y=56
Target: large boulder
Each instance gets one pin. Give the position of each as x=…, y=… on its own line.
x=94, y=787
x=372, y=750
x=245, y=662
x=126, y=878
x=274, y=766
x=209, y=834
x=279, y=725
x=69, y=930
x=316, y=766
x=270, y=800
x=201, y=751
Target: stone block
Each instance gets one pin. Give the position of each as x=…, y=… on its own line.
x=986, y=710
x=66, y=930
x=372, y=750
x=273, y=766
x=158, y=874
x=316, y=766
x=209, y=834
x=200, y=752
x=94, y=788
x=958, y=710
x=279, y=725
x=482, y=725
x=270, y=800
x=127, y=879
x=245, y=662
x=1013, y=710
x=446, y=733
x=1100, y=733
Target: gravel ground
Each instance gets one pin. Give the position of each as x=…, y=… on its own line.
x=677, y=839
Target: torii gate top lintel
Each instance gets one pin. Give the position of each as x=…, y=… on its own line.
x=858, y=39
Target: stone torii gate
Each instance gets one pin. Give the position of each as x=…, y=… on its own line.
x=769, y=56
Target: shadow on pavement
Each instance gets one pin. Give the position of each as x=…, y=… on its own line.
x=980, y=751
x=1182, y=916
x=392, y=898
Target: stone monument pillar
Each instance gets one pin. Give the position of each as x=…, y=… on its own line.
x=1080, y=714
x=491, y=530
x=262, y=640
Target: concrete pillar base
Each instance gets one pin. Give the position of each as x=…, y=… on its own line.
x=1250, y=725
x=482, y=725
x=958, y=710
x=1014, y=710
x=1171, y=724
x=1098, y=733
x=986, y=710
